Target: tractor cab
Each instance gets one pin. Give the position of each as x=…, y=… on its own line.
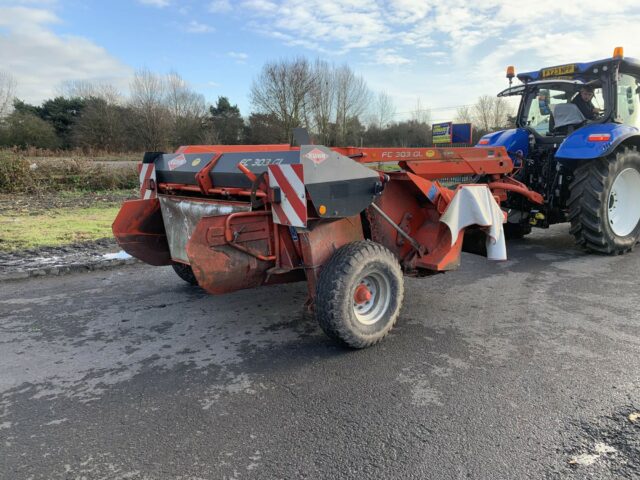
x=550, y=108
x=552, y=104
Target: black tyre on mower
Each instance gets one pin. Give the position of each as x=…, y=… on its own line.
x=604, y=206
x=185, y=273
x=359, y=294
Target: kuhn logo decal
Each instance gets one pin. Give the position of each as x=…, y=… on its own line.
x=176, y=162
x=316, y=155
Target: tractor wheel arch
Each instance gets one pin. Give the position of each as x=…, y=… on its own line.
x=631, y=142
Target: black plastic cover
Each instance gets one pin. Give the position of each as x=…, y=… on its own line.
x=181, y=167
x=225, y=173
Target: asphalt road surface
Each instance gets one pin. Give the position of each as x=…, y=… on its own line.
x=528, y=368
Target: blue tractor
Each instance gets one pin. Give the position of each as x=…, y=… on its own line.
x=576, y=142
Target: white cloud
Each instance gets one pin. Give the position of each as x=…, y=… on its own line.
x=264, y=6
x=322, y=25
x=220, y=6
x=389, y=56
x=449, y=52
x=41, y=60
x=239, y=57
x=155, y=3
x=409, y=11
x=23, y=18
x=196, y=27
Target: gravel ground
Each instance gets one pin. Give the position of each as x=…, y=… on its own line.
x=528, y=368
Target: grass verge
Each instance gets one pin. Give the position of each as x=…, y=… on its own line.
x=55, y=227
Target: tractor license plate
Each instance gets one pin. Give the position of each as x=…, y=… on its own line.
x=560, y=71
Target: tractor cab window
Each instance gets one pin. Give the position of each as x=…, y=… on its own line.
x=540, y=108
x=544, y=103
x=628, y=100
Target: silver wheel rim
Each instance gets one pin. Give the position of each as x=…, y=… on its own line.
x=374, y=309
x=624, y=202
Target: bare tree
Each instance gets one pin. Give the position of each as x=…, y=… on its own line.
x=187, y=110
x=420, y=113
x=482, y=112
x=383, y=110
x=7, y=93
x=181, y=100
x=86, y=89
x=152, y=117
x=282, y=89
x=322, y=99
x=103, y=125
x=501, y=112
x=464, y=114
x=103, y=122
x=490, y=113
x=352, y=99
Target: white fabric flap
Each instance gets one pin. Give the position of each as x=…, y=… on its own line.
x=475, y=205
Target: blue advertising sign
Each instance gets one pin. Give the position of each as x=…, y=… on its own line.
x=461, y=133
x=441, y=132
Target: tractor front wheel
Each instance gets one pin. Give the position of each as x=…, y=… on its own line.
x=604, y=207
x=359, y=294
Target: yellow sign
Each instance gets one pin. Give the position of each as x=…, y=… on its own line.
x=560, y=71
x=441, y=132
x=430, y=153
x=196, y=162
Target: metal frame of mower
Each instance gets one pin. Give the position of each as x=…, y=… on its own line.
x=235, y=217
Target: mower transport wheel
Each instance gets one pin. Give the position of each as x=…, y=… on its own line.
x=604, y=207
x=359, y=294
x=185, y=273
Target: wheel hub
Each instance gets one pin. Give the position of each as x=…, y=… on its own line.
x=371, y=298
x=624, y=202
x=362, y=294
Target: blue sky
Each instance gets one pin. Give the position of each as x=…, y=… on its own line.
x=442, y=53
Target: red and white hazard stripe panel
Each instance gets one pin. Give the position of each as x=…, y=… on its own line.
x=148, y=181
x=292, y=210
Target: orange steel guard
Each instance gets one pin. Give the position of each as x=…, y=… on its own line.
x=139, y=230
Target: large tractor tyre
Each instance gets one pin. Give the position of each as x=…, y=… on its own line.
x=604, y=206
x=359, y=294
x=185, y=273
x=515, y=231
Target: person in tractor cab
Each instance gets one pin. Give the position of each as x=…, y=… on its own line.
x=583, y=102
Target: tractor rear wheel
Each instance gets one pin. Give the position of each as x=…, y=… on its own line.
x=185, y=273
x=604, y=207
x=359, y=294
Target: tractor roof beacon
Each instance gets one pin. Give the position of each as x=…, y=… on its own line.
x=584, y=160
